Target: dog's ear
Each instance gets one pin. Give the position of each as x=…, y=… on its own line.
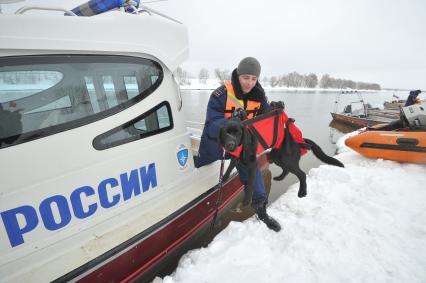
x=220, y=138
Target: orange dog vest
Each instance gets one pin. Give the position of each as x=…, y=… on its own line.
x=269, y=130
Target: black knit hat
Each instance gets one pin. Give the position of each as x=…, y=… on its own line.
x=249, y=66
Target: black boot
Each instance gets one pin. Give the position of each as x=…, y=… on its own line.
x=268, y=220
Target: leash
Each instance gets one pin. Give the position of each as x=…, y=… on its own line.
x=219, y=191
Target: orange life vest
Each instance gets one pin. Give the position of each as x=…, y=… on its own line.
x=269, y=130
x=233, y=103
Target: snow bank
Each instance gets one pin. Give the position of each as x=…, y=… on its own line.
x=362, y=223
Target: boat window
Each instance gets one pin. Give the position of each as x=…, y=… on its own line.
x=156, y=120
x=92, y=94
x=110, y=91
x=44, y=95
x=131, y=86
x=20, y=84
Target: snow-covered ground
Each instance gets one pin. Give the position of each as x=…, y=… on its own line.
x=362, y=223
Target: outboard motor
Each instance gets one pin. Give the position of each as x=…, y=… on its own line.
x=348, y=109
x=415, y=115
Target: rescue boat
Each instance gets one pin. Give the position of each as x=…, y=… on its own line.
x=359, y=114
x=399, y=145
x=97, y=175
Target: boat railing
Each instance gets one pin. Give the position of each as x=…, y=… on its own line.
x=152, y=11
x=360, y=100
x=24, y=9
x=141, y=8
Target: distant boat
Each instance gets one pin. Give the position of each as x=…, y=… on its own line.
x=366, y=116
x=360, y=114
x=395, y=104
x=359, y=121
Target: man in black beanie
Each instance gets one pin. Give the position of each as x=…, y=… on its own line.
x=412, y=97
x=242, y=92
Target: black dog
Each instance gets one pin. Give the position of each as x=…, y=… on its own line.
x=234, y=133
x=231, y=136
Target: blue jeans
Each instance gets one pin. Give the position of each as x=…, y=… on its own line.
x=259, y=194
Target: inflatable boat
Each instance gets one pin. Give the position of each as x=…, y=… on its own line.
x=402, y=146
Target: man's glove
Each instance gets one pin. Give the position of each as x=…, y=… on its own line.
x=277, y=105
x=240, y=114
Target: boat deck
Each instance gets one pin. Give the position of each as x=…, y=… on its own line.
x=381, y=119
x=387, y=113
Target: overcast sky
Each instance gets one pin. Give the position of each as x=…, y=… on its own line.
x=380, y=41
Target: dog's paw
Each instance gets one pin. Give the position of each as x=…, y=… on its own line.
x=302, y=193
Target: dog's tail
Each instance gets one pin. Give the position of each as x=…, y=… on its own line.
x=316, y=149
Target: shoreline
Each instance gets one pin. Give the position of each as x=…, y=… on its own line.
x=280, y=89
x=212, y=84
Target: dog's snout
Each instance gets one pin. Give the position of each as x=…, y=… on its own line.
x=231, y=145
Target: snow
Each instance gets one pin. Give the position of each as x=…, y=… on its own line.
x=362, y=223
x=209, y=84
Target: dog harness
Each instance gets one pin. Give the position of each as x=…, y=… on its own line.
x=269, y=130
x=233, y=103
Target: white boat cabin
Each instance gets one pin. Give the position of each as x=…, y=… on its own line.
x=93, y=142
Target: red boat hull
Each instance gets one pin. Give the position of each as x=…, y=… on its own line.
x=352, y=121
x=140, y=258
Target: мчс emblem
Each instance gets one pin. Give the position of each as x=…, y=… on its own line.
x=182, y=156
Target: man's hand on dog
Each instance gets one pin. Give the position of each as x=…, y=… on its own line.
x=240, y=114
x=277, y=105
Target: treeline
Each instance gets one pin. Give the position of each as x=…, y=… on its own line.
x=293, y=79
x=29, y=77
x=330, y=82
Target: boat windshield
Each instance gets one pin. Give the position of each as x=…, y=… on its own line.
x=44, y=95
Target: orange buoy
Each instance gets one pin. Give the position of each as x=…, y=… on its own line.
x=403, y=146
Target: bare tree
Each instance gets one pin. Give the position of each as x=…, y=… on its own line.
x=222, y=75
x=369, y=86
x=311, y=80
x=273, y=81
x=203, y=75
x=181, y=76
x=295, y=79
x=284, y=81
x=325, y=81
